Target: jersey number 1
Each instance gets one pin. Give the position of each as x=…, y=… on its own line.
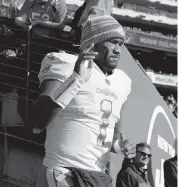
x=106, y=108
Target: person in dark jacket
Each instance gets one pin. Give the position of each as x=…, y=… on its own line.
x=126, y=163
x=77, y=29
x=135, y=174
x=170, y=169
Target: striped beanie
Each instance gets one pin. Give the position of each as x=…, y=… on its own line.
x=100, y=27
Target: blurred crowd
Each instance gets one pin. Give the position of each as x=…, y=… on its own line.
x=151, y=11
x=151, y=33
x=172, y=104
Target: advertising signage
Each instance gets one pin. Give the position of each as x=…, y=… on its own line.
x=153, y=42
x=164, y=80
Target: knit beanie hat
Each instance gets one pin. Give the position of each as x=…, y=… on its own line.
x=100, y=27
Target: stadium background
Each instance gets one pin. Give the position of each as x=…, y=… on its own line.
x=151, y=30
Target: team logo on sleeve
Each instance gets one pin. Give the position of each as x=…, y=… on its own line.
x=46, y=68
x=50, y=56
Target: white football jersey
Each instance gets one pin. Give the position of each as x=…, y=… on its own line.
x=82, y=134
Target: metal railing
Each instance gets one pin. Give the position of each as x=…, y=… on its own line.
x=21, y=54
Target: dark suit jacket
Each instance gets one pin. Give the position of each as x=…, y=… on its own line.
x=130, y=176
x=170, y=172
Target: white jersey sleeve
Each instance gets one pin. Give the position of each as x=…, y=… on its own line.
x=127, y=84
x=58, y=66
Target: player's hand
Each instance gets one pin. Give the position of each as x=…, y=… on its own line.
x=128, y=148
x=80, y=67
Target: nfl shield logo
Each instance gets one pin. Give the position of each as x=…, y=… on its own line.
x=107, y=81
x=46, y=68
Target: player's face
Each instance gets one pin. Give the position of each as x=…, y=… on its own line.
x=109, y=53
x=143, y=156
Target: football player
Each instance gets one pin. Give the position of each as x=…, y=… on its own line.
x=79, y=105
